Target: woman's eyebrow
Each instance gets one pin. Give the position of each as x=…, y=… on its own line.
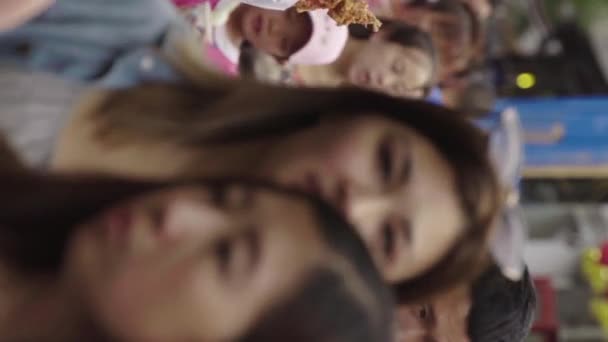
x=407, y=163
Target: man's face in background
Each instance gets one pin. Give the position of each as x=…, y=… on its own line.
x=442, y=319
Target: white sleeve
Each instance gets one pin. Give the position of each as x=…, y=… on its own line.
x=279, y=5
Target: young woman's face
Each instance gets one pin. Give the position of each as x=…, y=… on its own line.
x=391, y=183
x=278, y=33
x=391, y=68
x=194, y=263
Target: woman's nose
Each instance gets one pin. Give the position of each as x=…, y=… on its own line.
x=186, y=217
x=363, y=208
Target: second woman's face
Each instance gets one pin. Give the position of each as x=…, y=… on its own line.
x=193, y=263
x=391, y=69
x=390, y=182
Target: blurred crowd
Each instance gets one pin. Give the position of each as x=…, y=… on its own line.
x=253, y=170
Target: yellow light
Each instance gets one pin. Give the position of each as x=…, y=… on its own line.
x=604, y=274
x=592, y=255
x=526, y=80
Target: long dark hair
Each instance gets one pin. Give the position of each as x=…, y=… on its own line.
x=502, y=310
x=191, y=115
x=40, y=212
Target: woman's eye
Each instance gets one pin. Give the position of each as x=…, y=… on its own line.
x=424, y=313
x=405, y=230
x=157, y=215
x=394, y=236
x=252, y=242
x=385, y=160
x=239, y=197
x=235, y=197
x=224, y=252
x=238, y=256
x=398, y=67
x=218, y=195
x=388, y=241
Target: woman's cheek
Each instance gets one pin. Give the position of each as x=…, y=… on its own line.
x=354, y=156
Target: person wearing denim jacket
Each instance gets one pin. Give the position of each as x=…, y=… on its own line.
x=110, y=43
x=50, y=61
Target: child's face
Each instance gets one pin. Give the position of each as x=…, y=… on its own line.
x=392, y=69
x=278, y=33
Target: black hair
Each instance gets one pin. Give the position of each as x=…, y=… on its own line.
x=502, y=310
x=247, y=59
x=340, y=320
x=403, y=34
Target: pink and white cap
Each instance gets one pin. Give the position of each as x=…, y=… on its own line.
x=326, y=42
